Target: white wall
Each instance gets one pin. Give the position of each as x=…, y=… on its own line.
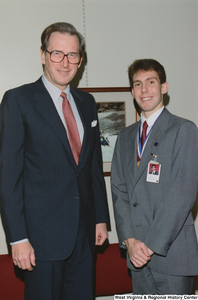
x=117, y=32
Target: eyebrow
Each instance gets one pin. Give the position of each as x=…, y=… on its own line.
x=149, y=78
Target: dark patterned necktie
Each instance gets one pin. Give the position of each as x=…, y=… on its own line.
x=145, y=126
x=72, y=129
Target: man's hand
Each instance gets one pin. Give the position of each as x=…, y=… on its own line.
x=101, y=233
x=139, y=253
x=23, y=256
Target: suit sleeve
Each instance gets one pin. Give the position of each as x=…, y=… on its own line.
x=176, y=207
x=12, y=136
x=120, y=195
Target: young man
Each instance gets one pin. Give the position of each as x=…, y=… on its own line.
x=53, y=198
x=153, y=217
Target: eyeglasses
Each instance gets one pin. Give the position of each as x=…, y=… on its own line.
x=58, y=56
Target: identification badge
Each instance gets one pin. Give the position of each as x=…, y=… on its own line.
x=153, y=171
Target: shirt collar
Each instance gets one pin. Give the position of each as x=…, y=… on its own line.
x=152, y=118
x=53, y=90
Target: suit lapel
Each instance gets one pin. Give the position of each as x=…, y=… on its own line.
x=86, y=121
x=46, y=107
x=131, y=149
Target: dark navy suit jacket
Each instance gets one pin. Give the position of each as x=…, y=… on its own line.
x=42, y=189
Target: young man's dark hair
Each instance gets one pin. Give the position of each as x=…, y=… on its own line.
x=146, y=65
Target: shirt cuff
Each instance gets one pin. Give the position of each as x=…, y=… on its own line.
x=19, y=242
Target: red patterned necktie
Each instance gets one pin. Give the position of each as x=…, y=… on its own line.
x=72, y=129
x=145, y=126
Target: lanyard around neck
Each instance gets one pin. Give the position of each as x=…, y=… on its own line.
x=141, y=148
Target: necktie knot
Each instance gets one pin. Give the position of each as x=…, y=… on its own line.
x=145, y=125
x=64, y=96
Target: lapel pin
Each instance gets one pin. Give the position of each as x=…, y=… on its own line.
x=154, y=156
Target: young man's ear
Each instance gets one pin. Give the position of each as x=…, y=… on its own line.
x=132, y=92
x=164, y=88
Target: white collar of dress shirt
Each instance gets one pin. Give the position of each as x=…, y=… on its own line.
x=152, y=118
x=53, y=90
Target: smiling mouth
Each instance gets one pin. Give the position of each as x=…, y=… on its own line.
x=64, y=72
x=146, y=98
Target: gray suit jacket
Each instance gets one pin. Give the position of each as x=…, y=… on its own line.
x=159, y=214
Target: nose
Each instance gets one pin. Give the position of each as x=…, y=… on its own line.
x=65, y=62
x=144, y=88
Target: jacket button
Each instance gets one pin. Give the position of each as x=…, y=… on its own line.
x=76, y=197
x=134, y=204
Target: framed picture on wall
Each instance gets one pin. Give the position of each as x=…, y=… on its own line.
x=115, y=112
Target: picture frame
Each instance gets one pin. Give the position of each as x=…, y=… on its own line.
x=117, y=108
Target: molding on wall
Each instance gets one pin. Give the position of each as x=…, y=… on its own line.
x=84, y=34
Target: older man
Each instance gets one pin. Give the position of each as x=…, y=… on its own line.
x=53, y=198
